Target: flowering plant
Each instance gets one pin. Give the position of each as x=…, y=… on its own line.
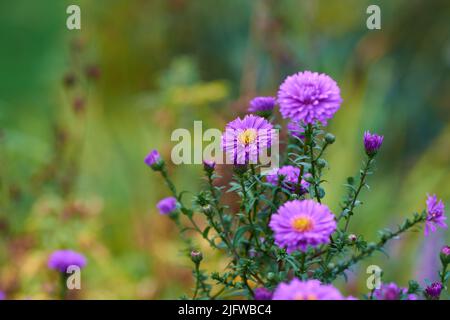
x=283, y=241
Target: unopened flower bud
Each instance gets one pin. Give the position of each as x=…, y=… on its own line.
x=153, y=160
x=433, y=291
x=196, y=256
x=208, y=166
x=207, y=209
x=352, y=237
x=445, y=255
x=321, y=163
x=330, y=138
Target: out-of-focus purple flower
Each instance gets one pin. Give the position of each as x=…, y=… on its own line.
x=296, y=129
x=302, y=223
x=391, y=291
x=245, y=139
x=306, y=290
x=434, y=290
x=153, y=158
x=61, y=259
x=263, y=294
x=167, y=205
x=435, y=214
x=309, y=96
x=2, y=295
x=372, y=143
x=262, y=104
x=290, y=178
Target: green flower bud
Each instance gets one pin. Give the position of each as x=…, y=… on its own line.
x=196, y=256
x=330, y=138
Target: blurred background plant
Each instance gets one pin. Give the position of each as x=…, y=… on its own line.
x=79, y=110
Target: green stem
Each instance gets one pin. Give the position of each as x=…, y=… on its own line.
x=362, y=182
x=310, y=141
x=379, y=245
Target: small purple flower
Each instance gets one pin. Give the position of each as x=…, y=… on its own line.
x=302, y=223
x=306, y=290
x=434, y=290
x=309, y=96
x=152, y=158
x=245, y=139
x=290, y=180
x=167, y=205
x=263, y=294
x=372, y=143
x=435, y=214
x=61, y=259
x=296, y=129
x=262, y=104
x=390, y=291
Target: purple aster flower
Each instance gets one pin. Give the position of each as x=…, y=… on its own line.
x=263, y=294
x=296, y=129
x=306, y=290
x=262, y=104
x=309, y=96
x=302, y=223
x=390, y=291
x=61, y=259
x=245, y=139
x=434, y=290
x=435, y=214
x=152, y=158
x=290, y=180
x=372, y=143
x=167, y=205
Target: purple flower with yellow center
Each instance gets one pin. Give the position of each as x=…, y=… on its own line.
x=296, y=129
x=153, y=158
x=245, y=139
x=372, y=143
x=302, y=223
x=309, y=96
x=61, y=260
x=433, y=291
x=262, y=104
x=306, y=290
x=391, y=291
x=435, y=214
x=290, y=178
x=263, y=294
x=167, y=205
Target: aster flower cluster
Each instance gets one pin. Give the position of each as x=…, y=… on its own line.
x=282, y=240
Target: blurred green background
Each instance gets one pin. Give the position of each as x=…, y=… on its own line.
x=79, y=110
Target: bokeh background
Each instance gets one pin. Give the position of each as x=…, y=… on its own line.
x=79, y=110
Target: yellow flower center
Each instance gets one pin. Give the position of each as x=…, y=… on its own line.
x=247, y=136
x=301, y=296
x=302, y=224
